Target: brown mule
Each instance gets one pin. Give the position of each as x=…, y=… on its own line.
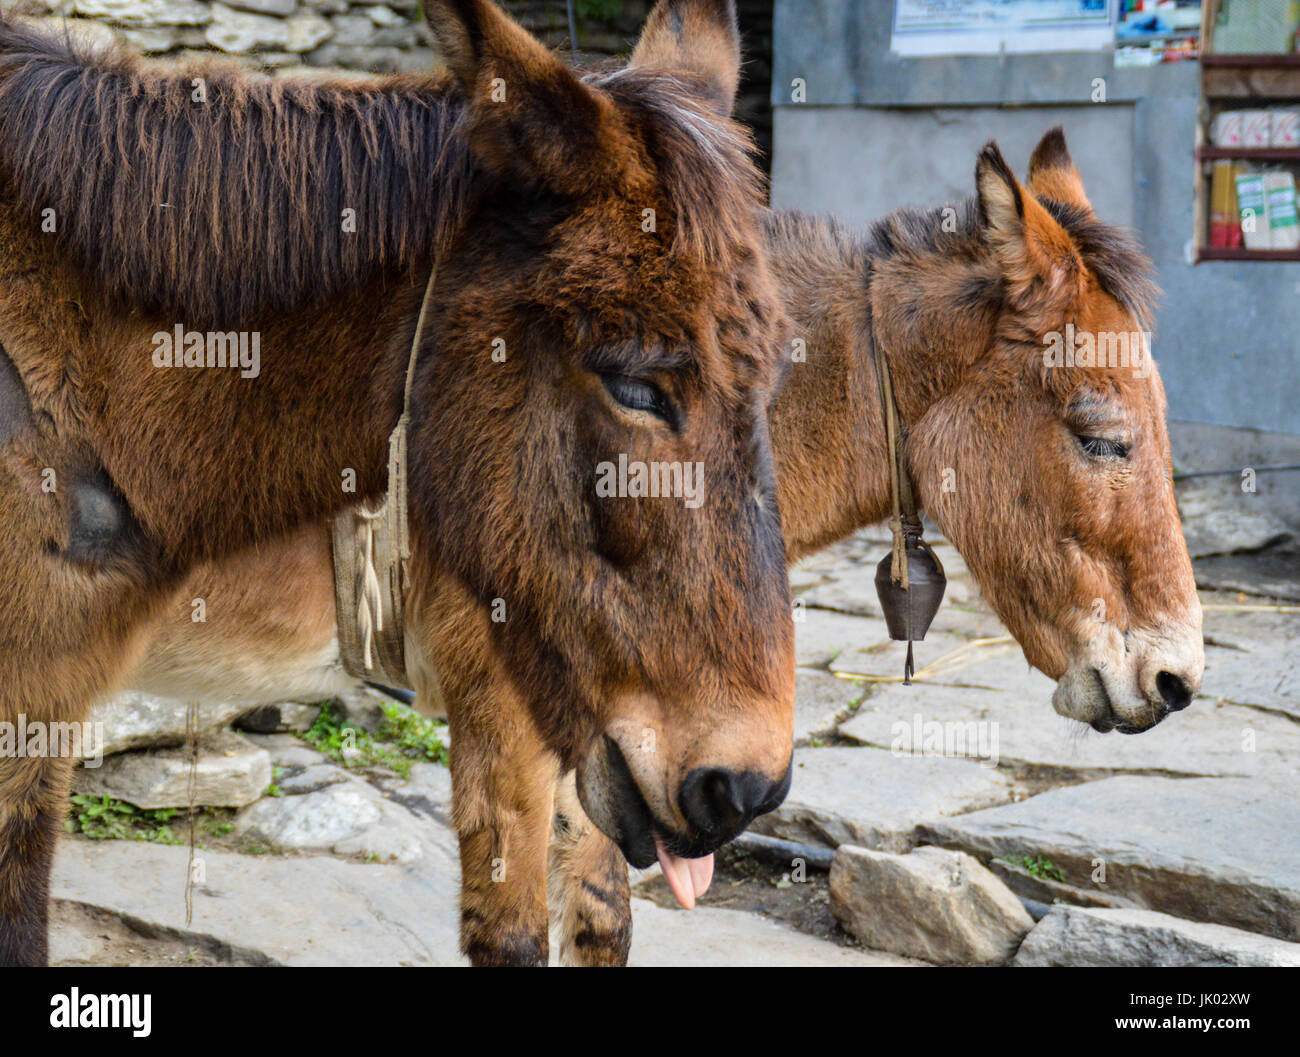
x=155, y=220
x=1052, y=478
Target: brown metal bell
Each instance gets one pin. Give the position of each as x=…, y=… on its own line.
x=910, y=610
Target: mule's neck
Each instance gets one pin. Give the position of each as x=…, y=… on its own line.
x=828, y=429
x=210, y=461
x=926, y=298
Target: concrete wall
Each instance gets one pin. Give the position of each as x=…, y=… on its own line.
x=876, y=132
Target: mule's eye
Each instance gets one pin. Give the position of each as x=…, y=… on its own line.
x=1102, y=447
x=636, y=395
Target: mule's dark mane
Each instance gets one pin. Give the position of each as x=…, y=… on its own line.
x=224, y=208
x=1111, y=254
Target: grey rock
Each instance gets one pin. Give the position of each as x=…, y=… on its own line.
x=819, y=699
x=1041, y=889
x=297, y=717
x=280, y=60
x=72, y=946
x=1209, y=738
x=426, y=793
x=417, y=60
x=153, y=39
x=266, y=7
x=313, y=820
x=348, y=817
x=362, y=708
x=849, y=589
x=712, y=936
x=1216, y=850
x=231, y=772
x=135, y=721
x=1261, y=672
x=936, y=905
x=295, y=911
x=353, y=29
x=357, y=57
x=1219, y=518
x=820, y=635
x=383, y=16
x=399, y=36
x=875, y=799
x=239, y=32
x=146, y=12
x=1272, y=573
x=287, y=750
x=307, y=30
x=313, y=779
x=1091, y=937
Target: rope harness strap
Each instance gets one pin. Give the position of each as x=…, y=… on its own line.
x=910, y=580
x=372, y=550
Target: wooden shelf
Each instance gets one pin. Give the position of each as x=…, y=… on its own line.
x=1253, y=61
x=1214, y=253
x=1290, y=154
x=1227, y=79
x=1250, y=82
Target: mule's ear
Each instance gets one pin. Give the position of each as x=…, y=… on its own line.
x=1052, y=173
x=1036, y=253
x=531, y=114
x=699, y=37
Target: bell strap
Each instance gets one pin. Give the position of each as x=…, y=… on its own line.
x=905, y=521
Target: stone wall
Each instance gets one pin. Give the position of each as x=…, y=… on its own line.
x=287, y=36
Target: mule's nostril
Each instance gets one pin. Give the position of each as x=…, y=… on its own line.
x=718, y=801
x=1174, y=692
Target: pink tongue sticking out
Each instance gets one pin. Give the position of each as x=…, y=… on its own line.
x=688, y=879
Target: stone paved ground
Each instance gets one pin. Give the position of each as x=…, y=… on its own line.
x=1185, y=840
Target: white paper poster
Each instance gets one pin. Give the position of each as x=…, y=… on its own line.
x=984, y=27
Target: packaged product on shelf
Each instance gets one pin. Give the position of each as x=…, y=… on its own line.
x=1225, y=131
x=1252, y=205
x=1225, y=221
x=1286, y=127
x=1283, y=220
x=1256, y=128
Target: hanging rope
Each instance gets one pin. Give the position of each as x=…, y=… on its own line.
x=372, y=551
x=904, y=521
x=192, y=743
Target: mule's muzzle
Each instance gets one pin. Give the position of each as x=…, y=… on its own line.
x=1174, y=696
x=720, y=803
x=716, y=804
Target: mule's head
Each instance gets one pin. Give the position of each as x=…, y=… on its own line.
x=593, y=460
x=1043, y=452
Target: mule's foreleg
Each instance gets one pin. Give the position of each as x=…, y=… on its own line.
x=503, y=776
x=503, y=781
x=588, y=888
x=33, y=798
